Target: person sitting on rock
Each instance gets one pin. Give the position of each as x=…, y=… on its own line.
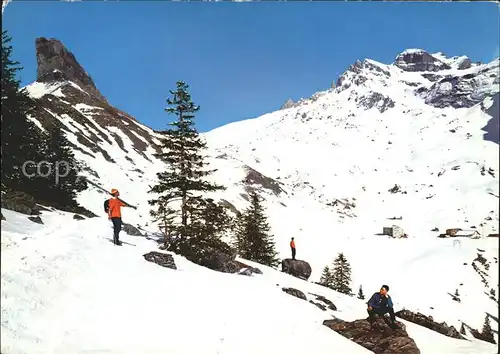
x=379, y=304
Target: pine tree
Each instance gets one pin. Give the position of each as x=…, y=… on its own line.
x=487, y=332
x=341, y=274
x=326, y=277
x=184, y=179
x=21, y=139
x=63, y=181
x=253, y=239
x=456, y=293
x=361, y=296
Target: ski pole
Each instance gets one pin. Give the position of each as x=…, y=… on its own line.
x=108, y=192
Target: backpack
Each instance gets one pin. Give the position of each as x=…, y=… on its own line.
x=106, y=206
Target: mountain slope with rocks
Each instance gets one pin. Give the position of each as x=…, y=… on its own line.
x=413, y=144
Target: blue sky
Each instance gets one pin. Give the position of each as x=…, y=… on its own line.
x=241, y=60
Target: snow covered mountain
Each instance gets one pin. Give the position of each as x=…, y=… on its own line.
x=413, y=143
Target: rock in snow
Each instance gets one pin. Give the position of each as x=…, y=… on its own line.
x=297, y=268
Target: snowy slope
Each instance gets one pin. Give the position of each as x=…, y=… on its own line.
x=64, y=291
x=325, y=166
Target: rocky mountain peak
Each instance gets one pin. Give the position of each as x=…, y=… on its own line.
x=419, y=60
x=56, y=63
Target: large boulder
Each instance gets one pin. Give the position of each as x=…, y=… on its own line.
x=162, y=259
x=297, y=268
x=428, y=322
x=377, y=337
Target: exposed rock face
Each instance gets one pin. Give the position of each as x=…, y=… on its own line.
x=465, y=63
x=378, y=337
x=428, y=322
x=56, y=63
x=162, y=259
x=462, y=91
x=377, y=100
x=289, y=104
x=254, y=177
x=327, y=302
x=297, y=268
x=419, y=60
x=131, y=230
x=295, y=292
x=357, y=72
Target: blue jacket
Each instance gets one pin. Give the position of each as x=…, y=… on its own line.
x=378, y=301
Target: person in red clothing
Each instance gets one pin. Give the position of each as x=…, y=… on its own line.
x=292, y=246
x=115, y=214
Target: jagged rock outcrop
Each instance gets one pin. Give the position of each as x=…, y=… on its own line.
x=463, y=91
x=65, y=96
x=378, y=337
x=428, y=322
x=297, y=268
x=357, y=73
x=56, y=63
x=464, y=63
x=419, y=60
x=254, y=177
x=377, y=100
x=162, y=259
x=289, y=104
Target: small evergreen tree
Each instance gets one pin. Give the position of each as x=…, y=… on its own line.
x=492, y=292
x=253, y=241
x=341, y=274
x=326, y=277
x=456, y=293
x=361, y=296
x=184, y=178
x=487, y=332
x=21, y=139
